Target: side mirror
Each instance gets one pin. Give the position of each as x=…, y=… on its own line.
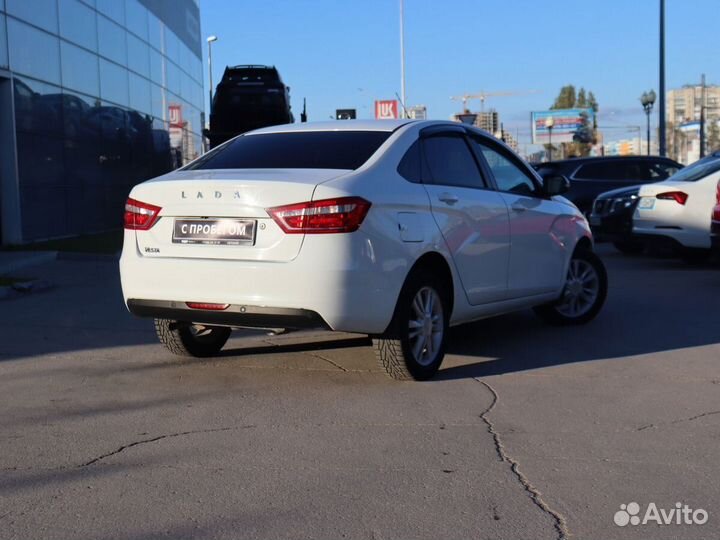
x=556, y=185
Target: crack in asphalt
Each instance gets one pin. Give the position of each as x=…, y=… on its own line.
x=329, y=361
x=159, y=438
x=559, y=522
x=680, y=421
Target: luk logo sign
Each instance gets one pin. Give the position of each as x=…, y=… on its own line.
x=629, y=514
x=386, y=110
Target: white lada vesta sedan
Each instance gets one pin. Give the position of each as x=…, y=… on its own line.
x=396, y=229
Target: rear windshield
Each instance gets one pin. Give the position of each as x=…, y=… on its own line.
x=299, y=150
x=698, y=170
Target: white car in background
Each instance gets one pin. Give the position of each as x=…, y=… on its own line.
x=678, y=210
x=396, y=229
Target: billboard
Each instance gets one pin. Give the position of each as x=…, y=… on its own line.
x=386, y=109
x=345, y=114
x=565, y=123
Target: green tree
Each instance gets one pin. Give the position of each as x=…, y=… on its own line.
x=581, y=99
x=566, y=98
x=586, y=136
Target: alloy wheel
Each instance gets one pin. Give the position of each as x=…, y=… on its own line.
x=426, y=326
x=581, y=289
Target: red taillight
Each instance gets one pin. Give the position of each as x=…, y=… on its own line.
x=208, y=306
x=140, y=216
x=679, y=197
x=716, y=210
x=316, y=217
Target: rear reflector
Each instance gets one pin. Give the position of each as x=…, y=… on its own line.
x=140, y=216
x=679, y=197
x=207, y=306
x=341, y=215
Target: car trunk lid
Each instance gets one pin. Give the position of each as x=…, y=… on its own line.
x=235, y=202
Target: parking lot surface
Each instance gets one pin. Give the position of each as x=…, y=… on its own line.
x=529, y=431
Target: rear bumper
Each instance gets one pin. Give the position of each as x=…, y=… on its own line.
x=339, y=281
x=678, y=236
x=234, y=315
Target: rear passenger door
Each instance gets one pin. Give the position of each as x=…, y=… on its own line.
x=472, y=216
x=596, y=177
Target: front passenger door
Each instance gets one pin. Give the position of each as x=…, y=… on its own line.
x=472, y=216
x=537, y=250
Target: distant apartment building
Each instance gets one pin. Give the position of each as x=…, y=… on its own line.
x=629, y=147
x=489, y=121
x=683, y=119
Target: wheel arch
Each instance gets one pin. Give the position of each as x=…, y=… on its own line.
x=583, y=244
x=437, y=264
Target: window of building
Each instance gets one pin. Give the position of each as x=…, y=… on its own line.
x=136, y=16
x=450, y=162
x=33, y=52
x=78, y=23
x=140, y=96
x=113, y=83
x=115, y=9
x=79, y=69
x=112, y=42
x=42, y=13
x=155, y=32
x=3, y=43
x=138, y=56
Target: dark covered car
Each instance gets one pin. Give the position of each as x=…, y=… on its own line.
x=591, y=176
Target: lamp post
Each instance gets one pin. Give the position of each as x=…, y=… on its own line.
x=402, y=59
x=549, y=124
x=210, y=40
x=648, y=100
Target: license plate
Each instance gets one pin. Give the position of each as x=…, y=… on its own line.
x=229, y=232
x=595, y=221
x=647, y=203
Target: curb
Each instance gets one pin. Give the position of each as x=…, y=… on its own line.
x=24, y=288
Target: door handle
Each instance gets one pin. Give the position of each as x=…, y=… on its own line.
x=448, y=198
x=517, y=207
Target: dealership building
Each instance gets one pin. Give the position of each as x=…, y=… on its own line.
x=95, y=97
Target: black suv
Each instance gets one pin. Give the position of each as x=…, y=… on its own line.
x=247, y=98
x=589, y=177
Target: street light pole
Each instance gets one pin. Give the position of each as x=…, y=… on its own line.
x=549, y=124
x=648, y=100
x=662, y=146
x=210, y=40
x=402, y=58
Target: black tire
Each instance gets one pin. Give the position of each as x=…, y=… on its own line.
x=630, y=247
x=558, y=313
x=183, y=338
x=394, y=349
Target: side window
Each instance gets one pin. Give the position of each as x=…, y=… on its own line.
x=508, y=175
x=632, y=170
x=598, y=171
x=410, y=166
x=450, y=162
x=661, y=171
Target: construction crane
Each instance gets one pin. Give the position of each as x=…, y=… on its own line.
x=482, y=96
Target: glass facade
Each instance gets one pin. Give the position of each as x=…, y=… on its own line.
x=107, y=93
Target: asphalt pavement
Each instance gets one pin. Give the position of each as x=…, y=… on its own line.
x=529, y=431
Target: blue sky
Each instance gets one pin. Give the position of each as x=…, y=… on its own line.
x=345, y=53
